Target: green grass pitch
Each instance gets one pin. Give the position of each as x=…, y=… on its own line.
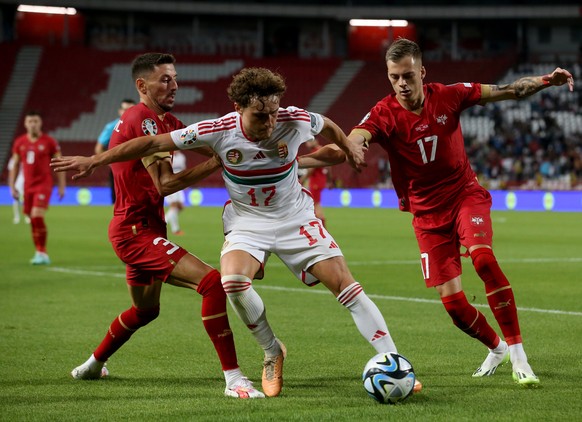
x=51, y=319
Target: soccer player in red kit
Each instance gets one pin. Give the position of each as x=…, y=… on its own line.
x=419, y=126
x=138, y=230
x=34, y=151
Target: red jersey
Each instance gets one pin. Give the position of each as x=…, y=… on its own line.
x=318, y=177
x=35, y=158
x=138, y=202
x=429, y=165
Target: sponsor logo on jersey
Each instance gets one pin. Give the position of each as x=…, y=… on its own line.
x=283, y=150
x=234, y=156
x=442, y=119
x=149, y=127
x=260, y=155
x=477, y=220
x=188, y=137
x=41, y=147
x=421, y=128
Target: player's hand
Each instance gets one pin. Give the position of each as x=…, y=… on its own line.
x=356, y=154
x=61, y=193
x=15, y=194
x=83, y=165
x=559, y=77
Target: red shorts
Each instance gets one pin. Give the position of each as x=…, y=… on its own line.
x=441, y=234
x=148, y=255
x=36, y=199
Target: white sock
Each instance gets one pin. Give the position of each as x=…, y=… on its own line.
x=172, y=219
x=92, y=362
x=516, y=353
x=367, y=317
x=501, y=347
x=232, y=376
x=249, y=307
x=16, y=210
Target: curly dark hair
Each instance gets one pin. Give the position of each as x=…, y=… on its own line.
x=255, y=83
x=146, y=63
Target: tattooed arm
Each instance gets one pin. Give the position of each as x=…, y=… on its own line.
x=526, y=86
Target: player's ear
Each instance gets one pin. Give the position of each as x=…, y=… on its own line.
x=422, y=72
x=238, y=108
x=141, y=85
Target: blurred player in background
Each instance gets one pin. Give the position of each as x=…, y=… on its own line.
x=138, y=231
x=175, y=201
x=317, y=180
x=33, y=151
x=105, y=137
x=19, y=186
x=419, y=126
x=269, y=212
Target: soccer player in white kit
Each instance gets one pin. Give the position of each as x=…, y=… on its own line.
x=175, y=201
x=269, y=212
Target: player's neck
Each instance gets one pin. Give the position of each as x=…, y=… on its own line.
x=414, y=106
x=33, y=137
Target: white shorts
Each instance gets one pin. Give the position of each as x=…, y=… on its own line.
x=300, y=241
x=175, y=197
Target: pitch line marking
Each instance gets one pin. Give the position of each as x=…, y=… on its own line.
x=315, y=291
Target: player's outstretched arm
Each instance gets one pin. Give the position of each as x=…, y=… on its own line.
x=354, y=152
x=13, y=167
x=135, y=148
x=328, y=155
x=170, y=182
x=526, y=86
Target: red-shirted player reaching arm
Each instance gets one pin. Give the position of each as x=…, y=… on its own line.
x=33, y=151
x=138, y=230
x=419, y=126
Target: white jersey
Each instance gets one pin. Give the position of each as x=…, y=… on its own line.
x=178, y=165
x=261, y=177
x=19, y=182
x=178, y=162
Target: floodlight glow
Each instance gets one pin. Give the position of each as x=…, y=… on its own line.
x=51, y=10
x=379, y=22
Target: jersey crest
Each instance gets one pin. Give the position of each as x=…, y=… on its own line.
x=149, y=127
x=234, y=156
x=283, y=150
x=442, y=119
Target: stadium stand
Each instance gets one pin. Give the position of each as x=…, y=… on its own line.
x=529, y=144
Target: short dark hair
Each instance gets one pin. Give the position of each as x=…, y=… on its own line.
x=255, y=82
x=128, y=100
x=401, y=48
x=33, y=113
x=147, y=62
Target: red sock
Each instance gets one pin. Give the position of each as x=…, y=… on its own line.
x=122, y=328
x=39, y=233
x=499, y=294
x=470, y=320
x=215, y=319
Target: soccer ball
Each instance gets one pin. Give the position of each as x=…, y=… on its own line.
x=388, y=378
